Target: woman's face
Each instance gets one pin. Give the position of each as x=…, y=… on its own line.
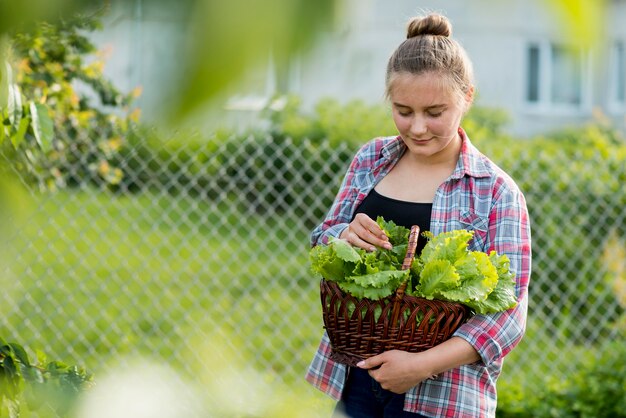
x=426, y=113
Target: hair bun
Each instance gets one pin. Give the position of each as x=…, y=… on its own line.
x=433, y=24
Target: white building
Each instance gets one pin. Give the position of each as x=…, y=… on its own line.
x=525, y=61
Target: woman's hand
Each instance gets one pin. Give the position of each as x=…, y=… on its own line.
x=364, y=232
x=397, y=371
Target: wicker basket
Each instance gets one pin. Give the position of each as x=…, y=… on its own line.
x=361, y=328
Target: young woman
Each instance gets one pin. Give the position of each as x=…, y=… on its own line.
x=430, y=175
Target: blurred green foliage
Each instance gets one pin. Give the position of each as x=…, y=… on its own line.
x=53, y=131
x=595, y=390
x=51, y=386
x=228, y=39
x=353, y=122
x=20, y=16
x=193, y=256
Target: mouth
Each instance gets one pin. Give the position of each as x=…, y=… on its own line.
x=421, y=141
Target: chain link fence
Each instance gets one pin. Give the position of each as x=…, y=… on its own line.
x=207, y=245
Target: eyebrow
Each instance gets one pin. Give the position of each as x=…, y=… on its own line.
x=426, y=108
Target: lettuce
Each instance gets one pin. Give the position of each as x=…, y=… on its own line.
x=451, y=272
x=372, y=275
x=446, y=270
x=375, y=286
x=398, y=235
x=437, y=276
x=335, y=260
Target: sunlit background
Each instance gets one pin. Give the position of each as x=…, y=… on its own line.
x=164, y=162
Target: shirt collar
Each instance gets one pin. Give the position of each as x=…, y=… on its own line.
x=471, y=161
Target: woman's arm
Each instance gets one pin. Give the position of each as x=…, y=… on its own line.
x=493, y=336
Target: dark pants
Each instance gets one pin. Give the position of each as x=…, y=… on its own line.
x=363, y=397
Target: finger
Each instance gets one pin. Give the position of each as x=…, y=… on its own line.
x=356, y=241
x=368, y=230
x=371, y=362
x=370, y=225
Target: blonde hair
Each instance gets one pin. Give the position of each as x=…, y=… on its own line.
x=430, y=48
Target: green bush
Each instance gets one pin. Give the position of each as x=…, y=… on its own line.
x=575, y=208
x=63, y=121
x=596, y=390
x=256, y=171
x=354, y=122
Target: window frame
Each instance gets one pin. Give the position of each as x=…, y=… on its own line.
x=617, y=64
x=544, y=103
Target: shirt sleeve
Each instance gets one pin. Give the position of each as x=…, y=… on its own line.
x=340, y=213
x=495, y=335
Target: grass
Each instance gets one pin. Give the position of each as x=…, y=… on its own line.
x=99, y=277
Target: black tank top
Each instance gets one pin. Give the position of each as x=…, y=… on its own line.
x=400, y=212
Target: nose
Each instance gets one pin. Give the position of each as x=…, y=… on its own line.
x=418, y=126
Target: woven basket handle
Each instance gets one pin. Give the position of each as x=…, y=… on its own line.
x=406, y=264
x=410, y=251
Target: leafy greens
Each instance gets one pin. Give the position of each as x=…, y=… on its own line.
x=445, y=270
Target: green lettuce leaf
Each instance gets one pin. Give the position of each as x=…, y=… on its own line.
x=344, y=250
x=436, y=276
x=374, y=286
x=390, y=278
x=335, y=260
x=502, y=265
x=478, y=277
x=397, y=234
x=366, y=292
x=500, y=299
x=503, y=297
x=450, y=246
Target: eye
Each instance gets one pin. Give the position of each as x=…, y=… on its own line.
x=435, y=114
x=403, y=111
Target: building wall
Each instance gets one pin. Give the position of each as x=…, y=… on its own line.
x=144, y=40
x=348, y=62
x=496, y=35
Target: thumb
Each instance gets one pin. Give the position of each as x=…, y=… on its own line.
x=372, y=362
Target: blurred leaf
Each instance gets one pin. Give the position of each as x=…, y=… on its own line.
x=230, y=38
x=9, y=366
x=42, y=125
x=18, y=136
x=15, y=105
x=20, y=353
x=582, y=20
x=20, y=15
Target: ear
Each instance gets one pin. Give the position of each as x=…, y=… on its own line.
x=469, y=97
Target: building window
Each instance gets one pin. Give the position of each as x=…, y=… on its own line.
x=532, y=93
x=557, y=76
x=617, y=86
x=567, y=76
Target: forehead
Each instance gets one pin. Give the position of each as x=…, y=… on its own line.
x=421, y=90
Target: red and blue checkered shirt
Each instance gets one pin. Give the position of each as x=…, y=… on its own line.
x=478, y=196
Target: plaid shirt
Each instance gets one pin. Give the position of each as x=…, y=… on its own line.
x=478, y=196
